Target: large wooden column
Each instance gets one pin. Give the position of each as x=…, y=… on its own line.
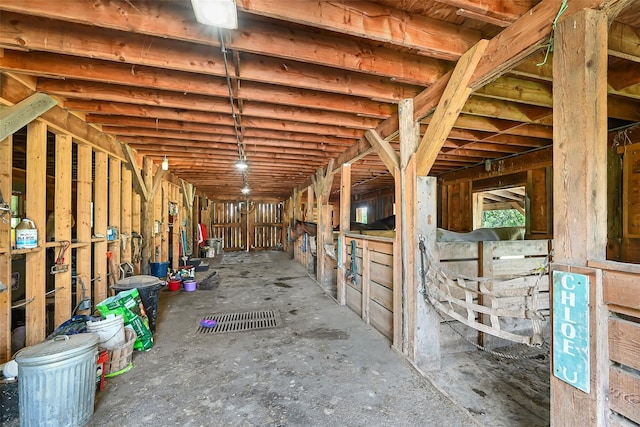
x=580, y=191
x=345, y=225
x=6, y=161
x=36, y=210
x=322, y=188
x=426, y=345
x=406, y=240
x=146, y=217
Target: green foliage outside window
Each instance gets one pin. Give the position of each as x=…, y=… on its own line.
x=503, y=218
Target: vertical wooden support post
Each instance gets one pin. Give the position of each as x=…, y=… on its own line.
x=165, y=221
x=36, y=210
x=83, y=224
x=366, y=280
x=175, y=230
x=189, y=194
x=100, y=223
x=156, y=255
x=62, y=281
x=146, y=217
x=310, y=204
x=345, y=221
x=125, y=210
x=427, y=327
x=115, y=192
x=404, y=255
x=580, y=190
x=409, y=256
x=325, y=234
x=476, y=210
x=135, y=226
x=6, y=162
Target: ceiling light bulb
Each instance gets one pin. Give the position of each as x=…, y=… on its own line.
x=242, y=164
x=165, y=164
x=245, y=189
x=218, y=13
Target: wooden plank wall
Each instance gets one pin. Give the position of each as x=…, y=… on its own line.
x=622, y=295
x=489, y=259
x=87, y=186
x=370, y=293
x=456, y=207
x=302, y=253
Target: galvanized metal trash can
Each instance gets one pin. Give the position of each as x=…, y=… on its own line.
x=57, y=381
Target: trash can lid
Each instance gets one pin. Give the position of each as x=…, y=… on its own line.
x=59, y=348
x=140, y=281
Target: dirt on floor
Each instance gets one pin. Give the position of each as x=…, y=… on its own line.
x=320, y=366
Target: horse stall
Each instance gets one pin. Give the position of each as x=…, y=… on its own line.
x=493, y=296
x=304, y=250
x=369, y=280
x=499, y=289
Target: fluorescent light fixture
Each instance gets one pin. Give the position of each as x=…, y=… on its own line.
x=217, y=13
x=245, y=189
x=165, y=164
x=242, y=164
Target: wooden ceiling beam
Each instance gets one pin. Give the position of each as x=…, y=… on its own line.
x=252, y=91
x=506, y=11
x=454, y=97
x=166, y=20
x=624, y=42
x=286, y=72
x=301, y=152
x=206, y=137
x=41, y=34
x=434, y=38
x=230, y=157
x=226, y=128
x=254, y=68
x=469, y=122
x=267, y=144
x=254, y=109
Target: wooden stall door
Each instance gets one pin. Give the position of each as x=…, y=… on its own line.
x=266, y=226
x=229, y=222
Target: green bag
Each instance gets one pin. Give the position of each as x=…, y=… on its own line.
x=129, y=305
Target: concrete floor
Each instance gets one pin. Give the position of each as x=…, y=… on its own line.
x=322, y=367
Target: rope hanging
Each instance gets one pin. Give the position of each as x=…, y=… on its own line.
x=440, y=284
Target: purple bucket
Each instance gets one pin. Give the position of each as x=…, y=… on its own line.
x=189, y=285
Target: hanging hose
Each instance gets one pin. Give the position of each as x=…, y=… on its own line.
x=352, y=273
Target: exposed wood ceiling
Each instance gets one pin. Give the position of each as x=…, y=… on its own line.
x=307, y=79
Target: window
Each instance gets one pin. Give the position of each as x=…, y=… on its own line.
x=500, y=208
x=361, y=215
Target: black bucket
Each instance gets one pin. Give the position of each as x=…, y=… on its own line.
x=148, y=288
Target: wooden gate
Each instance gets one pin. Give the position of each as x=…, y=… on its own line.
x=227, y=223
x=230, y=221
x=266, y=225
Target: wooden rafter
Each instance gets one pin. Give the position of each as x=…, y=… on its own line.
x=454, y=97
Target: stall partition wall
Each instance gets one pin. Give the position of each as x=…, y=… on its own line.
x=88, y=192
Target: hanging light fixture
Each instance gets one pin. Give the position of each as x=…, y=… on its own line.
x=165, y=164
x=242, y=164
x=217, y=13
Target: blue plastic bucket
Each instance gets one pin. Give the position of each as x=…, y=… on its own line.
x=159, y=269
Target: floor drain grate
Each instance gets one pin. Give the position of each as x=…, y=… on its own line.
x=236, y=322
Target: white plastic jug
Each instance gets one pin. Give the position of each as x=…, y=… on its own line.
x=26, y=235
